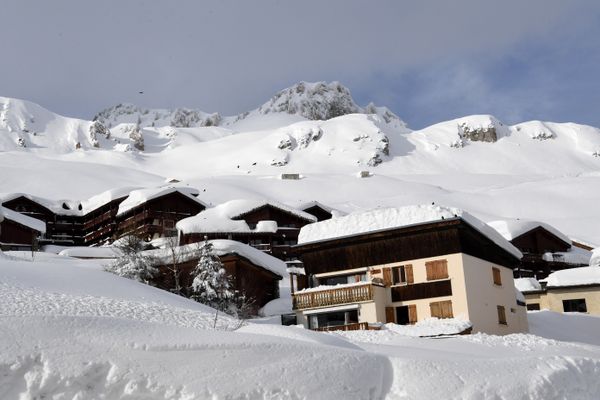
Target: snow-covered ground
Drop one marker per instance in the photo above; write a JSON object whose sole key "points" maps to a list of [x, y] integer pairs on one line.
{"points": [[70, 329]]}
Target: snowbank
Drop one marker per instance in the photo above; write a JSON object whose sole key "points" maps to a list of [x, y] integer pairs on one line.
{"points": [[595, 259], [389, 218], [575, 256], [527, 284], [22, 219], [569, 327], [513, 228], [223, 218], [573, 277]]}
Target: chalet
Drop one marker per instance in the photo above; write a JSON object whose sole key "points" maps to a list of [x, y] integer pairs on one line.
{"points": [[102, 218], [18, 231], [570, 290], [266, 225], [545, 249], [253, 272], [403, 265], [153, 213]]}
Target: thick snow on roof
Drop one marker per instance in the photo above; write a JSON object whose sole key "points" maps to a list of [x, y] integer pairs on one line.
{"points": [[223, 247], [595, 260], [21, 219], [527, 285], [573, 277], [141, 196], [575, 255], [513, 228], [220, 218], [90, 252], [389, 218], [106, 197]]}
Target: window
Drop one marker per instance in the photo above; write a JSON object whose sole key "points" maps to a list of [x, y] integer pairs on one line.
{"points": [[343, 279], [441, 309], [533, 307], [501, 315], [169, 224], [437, 269], [398, 275], [574, 305], [497, 277], [333, 319]]}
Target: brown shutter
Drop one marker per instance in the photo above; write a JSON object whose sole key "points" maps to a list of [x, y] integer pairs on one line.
{"points": [[434, 309], [412, 314], [437, 269], [447, 309], [389, 315], [497, 277], [387, 277], [408, 270]]}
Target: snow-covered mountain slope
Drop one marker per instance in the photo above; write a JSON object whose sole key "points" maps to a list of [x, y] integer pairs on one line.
{"points": [[533, 170]]}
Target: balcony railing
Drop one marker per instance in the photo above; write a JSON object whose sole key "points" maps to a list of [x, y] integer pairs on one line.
{"points": [[358, 326], [333, 297]]}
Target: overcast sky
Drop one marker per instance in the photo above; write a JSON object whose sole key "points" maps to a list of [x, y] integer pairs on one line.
{"points": [[428, 61]]}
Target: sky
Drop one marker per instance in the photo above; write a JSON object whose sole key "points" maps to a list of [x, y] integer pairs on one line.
{"points": [[428, 61]]}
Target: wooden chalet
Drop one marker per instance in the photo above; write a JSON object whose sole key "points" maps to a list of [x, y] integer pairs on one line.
{"points": [[252, 272], [19, 232], [403, 274], [156, 216], [269, 226], [544, 248]]}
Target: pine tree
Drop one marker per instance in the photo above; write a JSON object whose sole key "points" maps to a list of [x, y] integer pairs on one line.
{"points": [[211, 284], [131, 263]]}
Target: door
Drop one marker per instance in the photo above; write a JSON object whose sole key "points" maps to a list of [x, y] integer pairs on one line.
{"points": [[402, 315]]}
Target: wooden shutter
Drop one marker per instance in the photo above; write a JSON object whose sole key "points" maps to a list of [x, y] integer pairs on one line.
{"points": [[497, 277], [441, 309], [408, 270], [501, 315], [412, 314], [389, 315], [387, 277], [437, 269], [435, 309]]}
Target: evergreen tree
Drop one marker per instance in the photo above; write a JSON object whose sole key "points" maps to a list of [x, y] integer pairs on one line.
{"points": [[132, 263], [211, 284]]}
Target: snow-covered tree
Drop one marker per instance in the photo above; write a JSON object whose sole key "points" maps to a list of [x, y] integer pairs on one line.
{"points": [[132, 263], [211, 284]]}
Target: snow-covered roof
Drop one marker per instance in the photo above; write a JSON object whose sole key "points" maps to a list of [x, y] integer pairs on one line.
{"points": [[513, 228], [21, 219], [56, 206], [221, 217], [575, 256], [527, 285], [573, 277], [106, 197], [223, 247], [141, 196], [520, 297], [390, 218], [595, 259], [90, 252]]}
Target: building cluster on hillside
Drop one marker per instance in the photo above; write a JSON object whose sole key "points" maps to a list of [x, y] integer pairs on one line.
{"points": [[357, 271]]}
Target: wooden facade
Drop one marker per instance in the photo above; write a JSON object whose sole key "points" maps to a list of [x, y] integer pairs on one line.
{"points": [[533, 244], [14, 236], [397, 245], [278, 244], [253, 281], [157, 217]]}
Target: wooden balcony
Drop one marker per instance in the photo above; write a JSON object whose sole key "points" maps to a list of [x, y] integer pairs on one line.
{"points": [[333, 297]]}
